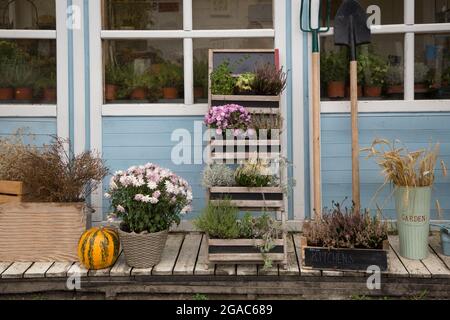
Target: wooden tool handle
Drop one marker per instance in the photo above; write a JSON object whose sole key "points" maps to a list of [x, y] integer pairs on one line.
{"points": [[316, 133], [355, 134]]}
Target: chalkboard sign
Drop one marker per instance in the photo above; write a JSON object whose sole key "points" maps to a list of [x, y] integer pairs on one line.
{"points": [[243, 60]]}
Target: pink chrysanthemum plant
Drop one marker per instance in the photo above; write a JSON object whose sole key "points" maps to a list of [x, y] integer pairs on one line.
{"points": [[148, 198], [231, 117]]}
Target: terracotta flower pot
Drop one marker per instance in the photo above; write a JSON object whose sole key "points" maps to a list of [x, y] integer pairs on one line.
{"points": [[420, 88], [397, 89], [23, 94], [139, 94], [170, 93], [49, 95], [111, 92], [198, 92], [6, 93], [336, 89], [360, 91], [372, 92]]}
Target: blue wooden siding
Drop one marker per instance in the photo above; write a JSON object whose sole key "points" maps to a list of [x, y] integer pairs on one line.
{"points": [[129, 141], [414, 130], [40, 129]]}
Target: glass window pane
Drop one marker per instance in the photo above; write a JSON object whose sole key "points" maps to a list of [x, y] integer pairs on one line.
{"points": [[28, 71], [27, 14], [380, 69], [432, 67], [437, 11], [144, 71], [390, 12], [143, 15], [201, 49], [232, 14]]}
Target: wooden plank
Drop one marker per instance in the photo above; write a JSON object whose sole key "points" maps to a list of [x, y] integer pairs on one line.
{"points": [[225, 270], [188, 254], [120, 268], [38, 270], [244, 257], [4, 266], [436, 267], [242, 242], [247, 270], [255, 203], [298, 251], [263, 110], [58, 270], [216, 97], [292, 267], [416, 269], [16, 270], [437, 248], [11, 187], [396, 267], [100, 272], [245, 190], [8, 198], [77, 269], [169, 255], [270, 271], [141, 272], [202, 266]]}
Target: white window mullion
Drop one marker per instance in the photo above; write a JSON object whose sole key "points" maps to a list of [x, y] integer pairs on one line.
{"points": [[187, 15], [188, 71], [28, 34], [409, 51]]}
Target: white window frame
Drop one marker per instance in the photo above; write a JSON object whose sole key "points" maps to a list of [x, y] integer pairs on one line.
{"points": [[409, 29], [60, 109]]}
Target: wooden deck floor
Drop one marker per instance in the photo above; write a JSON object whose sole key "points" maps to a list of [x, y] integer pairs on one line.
{"points": [[184, 264]]}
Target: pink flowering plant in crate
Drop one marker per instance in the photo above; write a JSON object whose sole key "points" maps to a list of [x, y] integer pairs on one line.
{"points": [[228, 117], [148, 198]]}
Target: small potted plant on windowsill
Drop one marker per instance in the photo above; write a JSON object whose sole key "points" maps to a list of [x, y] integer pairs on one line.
{"points": [[200, 78], [46, 84], [375, 69], [334, 73], [250, 239], [137, 84], [446, 78], [421, 71], [23, 80], [6, 88], [149, 200], [114, 78], [170, 78], [394, 80]]}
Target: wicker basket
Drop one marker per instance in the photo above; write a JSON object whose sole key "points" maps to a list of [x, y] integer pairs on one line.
{"points": [[143, 250]]}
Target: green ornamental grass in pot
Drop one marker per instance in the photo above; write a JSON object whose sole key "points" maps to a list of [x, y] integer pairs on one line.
{"points": [[148, 199], [412, 175]]}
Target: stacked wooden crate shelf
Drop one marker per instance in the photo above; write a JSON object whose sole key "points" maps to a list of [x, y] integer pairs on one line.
{"points": [[234, 151]]}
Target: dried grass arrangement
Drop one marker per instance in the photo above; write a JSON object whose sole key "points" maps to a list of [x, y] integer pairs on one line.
{"points": [[406, 168], [50, 173], [346, 228]]}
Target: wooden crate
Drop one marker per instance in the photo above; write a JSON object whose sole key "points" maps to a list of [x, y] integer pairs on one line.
{"points": [[243, 251], [270, 198], [11, 191], [41, 232], [343, 259]]}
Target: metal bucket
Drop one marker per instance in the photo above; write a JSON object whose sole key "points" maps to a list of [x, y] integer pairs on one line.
{"points": [[413, 220], [445, 242]]}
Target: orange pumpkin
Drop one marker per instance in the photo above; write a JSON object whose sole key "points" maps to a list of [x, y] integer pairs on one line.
{"points": [[98, 248]]}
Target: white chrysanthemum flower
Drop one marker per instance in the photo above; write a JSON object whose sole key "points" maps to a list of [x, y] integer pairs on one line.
{"points": [[107, 195], [120, 208], [153, 200], [152, 185]]}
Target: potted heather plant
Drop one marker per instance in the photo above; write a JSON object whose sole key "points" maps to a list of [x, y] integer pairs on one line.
{"points": [[334, 73], [170, 77], [394, 80], [269, 81], [345, 239], [148, 199], [412, 174], [420, 77]]}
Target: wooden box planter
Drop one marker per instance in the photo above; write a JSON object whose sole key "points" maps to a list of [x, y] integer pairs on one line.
{"points": [[11, 191], [244, 251], [270, 198], [41, 232], [343, 259]]}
